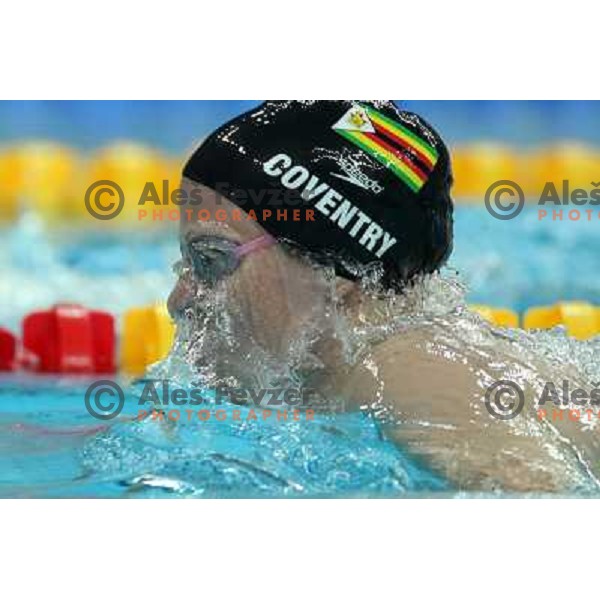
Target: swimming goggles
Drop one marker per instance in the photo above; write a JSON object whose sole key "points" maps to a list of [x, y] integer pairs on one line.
{"points": [[212, 259]]}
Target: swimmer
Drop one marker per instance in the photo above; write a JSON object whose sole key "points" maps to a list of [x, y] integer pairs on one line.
{"points": [[330, 301]]}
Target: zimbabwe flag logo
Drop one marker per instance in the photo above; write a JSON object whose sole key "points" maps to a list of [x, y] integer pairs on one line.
{"points": [[396, 147]]}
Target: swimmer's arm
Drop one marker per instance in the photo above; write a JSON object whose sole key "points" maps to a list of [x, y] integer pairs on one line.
{"points": [[441, 418]]}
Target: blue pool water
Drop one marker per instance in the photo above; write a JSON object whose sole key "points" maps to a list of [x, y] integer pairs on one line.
{"points": [[50, 445], [526, 262]]}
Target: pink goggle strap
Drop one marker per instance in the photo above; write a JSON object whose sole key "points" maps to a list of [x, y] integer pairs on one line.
{"points": [[264, 241]]}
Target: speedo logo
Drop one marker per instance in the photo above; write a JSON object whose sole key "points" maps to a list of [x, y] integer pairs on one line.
{"points": [[356, 176], [331, 204]]}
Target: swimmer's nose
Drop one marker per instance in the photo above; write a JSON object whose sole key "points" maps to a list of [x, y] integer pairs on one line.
{"points": [[180, 298]]}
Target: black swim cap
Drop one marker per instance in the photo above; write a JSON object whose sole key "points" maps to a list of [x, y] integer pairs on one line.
{"points": [[376, 178]]}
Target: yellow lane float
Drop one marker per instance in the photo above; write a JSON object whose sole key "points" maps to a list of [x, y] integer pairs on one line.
{"points": [[147, 336], [501, 317], [140, 173], [10, 182], [42, 176], [558, 170], [476, 167], [581, 319]]}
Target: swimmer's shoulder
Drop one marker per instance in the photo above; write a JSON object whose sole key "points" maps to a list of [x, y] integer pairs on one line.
{"points": [[410, 367]]}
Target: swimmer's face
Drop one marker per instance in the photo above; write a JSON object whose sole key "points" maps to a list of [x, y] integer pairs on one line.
{"points": [[267, 295]]}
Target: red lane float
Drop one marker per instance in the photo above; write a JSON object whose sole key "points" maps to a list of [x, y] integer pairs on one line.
{"points": [[69, 339], [8, 349]]}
